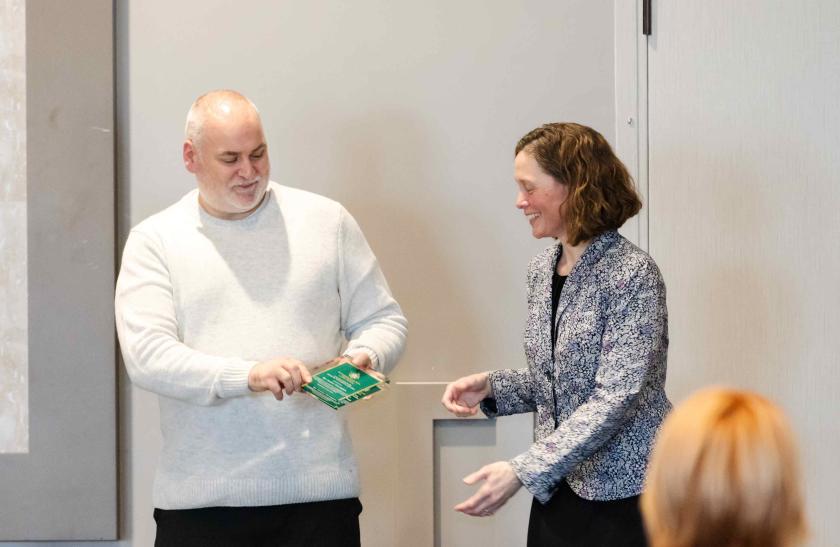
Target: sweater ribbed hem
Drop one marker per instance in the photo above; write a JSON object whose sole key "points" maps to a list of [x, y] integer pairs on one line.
{"points": [[193, 493]]}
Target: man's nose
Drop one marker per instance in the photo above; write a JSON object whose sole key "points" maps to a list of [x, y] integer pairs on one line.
{"points": [[247, 170]]}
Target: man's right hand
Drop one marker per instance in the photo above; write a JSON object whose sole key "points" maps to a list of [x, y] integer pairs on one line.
{"points": [[462, 396], [279, 376]]}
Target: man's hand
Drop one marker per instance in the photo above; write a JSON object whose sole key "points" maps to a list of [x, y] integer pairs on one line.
{"points": [[462, 396], [279, 376], [361, 360], [500, 483]]}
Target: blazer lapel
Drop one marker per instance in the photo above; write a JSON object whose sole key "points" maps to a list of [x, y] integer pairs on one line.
{"points": [[582, 270], [544, 312]]}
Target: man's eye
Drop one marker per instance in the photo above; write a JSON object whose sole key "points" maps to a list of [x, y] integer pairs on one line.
{"points": [[257, 155], [229, 161]]}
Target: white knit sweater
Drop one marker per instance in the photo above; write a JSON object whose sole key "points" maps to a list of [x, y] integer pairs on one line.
{"points": [[200, 300]]}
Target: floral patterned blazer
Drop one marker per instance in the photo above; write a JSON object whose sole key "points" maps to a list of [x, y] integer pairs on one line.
{"points": [[599, 392]]}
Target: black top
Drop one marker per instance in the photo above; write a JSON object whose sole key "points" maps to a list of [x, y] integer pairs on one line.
{"points": [[557, 282]]}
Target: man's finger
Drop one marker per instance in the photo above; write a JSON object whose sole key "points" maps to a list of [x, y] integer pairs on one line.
{"points": [[272, 384], [305, 376], [375, 373], [294, 380], [284, 378]]}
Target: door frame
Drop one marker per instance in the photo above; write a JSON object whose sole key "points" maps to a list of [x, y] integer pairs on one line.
{"points": [[631, 109]]}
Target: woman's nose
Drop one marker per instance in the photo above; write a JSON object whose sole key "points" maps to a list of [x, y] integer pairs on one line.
{"points": [[521, 202]]}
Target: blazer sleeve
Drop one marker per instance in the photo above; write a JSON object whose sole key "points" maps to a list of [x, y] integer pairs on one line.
{"points": [[512, 392], [633, 338]]}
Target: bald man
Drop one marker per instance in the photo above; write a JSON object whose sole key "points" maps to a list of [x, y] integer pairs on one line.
{"points": [[228, 297]]}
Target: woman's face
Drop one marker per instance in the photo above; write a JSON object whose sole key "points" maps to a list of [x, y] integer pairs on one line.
{"points": [[540, 197]]}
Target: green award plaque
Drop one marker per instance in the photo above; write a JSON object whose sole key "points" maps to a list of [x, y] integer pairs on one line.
{"points": [[343, 384]]}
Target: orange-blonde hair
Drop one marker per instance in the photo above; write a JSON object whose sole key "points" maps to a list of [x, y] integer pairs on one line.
{"points": [[724, 473], [601, 192]]}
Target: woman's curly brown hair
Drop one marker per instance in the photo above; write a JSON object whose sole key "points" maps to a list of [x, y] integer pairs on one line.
{"points": [[601, 192]]}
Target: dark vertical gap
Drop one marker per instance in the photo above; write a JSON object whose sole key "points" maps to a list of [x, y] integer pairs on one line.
{"points": [[436, 486], [647, 117], [116, 228]]}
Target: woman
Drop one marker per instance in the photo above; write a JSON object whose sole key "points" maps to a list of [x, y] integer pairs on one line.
{"points": [[596, 342], [724, 473]]}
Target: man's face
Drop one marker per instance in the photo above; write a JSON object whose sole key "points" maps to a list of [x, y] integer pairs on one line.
{"points": [[230, 162]]}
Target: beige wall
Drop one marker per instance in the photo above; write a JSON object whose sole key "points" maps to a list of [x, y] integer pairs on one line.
{"points": [[405, 112]]}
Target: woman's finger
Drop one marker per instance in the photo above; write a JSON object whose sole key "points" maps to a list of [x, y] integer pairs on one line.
{"points": [[473, 505], [474, 477], [470, 410], [459, 410]]}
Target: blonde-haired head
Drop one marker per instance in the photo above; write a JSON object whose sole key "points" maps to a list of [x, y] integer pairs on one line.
{"points": [[724, 473]]}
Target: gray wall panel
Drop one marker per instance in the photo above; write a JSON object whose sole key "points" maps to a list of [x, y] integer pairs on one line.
{"points": [[66, 486]]}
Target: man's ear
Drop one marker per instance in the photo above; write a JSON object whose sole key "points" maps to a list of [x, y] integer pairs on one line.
{"points": [[190, 159]]}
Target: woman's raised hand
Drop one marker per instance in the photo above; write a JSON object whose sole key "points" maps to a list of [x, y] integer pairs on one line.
{"points": [[462, 396]]}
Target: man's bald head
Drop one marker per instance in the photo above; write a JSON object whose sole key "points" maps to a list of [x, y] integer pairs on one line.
{"points": [[215, 106], [225, 149]]}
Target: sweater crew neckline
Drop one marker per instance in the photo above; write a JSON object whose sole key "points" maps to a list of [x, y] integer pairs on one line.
{"points": [[205, 217]]}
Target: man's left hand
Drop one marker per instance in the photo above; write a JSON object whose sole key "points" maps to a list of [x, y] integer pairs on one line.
{"points": [[362, 360], [500, 483]]}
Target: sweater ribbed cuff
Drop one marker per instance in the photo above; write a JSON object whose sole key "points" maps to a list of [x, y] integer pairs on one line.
{"points": [[233, 382], [374, 359]]}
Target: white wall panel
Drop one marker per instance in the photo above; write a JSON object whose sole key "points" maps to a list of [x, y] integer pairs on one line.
{"points": [[744, 194], [60, 294]]}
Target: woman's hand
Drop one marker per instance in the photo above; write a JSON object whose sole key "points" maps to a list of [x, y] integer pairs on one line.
{"points": [[500, 483], [462, 396]]}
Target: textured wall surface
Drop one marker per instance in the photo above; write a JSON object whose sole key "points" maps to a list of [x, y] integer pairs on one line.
{"points": [[14, 430]]}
